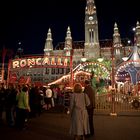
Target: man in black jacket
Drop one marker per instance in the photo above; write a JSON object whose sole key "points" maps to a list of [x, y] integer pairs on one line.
{"points": [[91, 94]]}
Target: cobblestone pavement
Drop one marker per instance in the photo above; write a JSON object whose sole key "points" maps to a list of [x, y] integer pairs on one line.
{"points": [[55, 126]]}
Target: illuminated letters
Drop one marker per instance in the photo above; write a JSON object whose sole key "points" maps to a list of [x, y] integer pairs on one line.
{"points": [[38, 61], [15, 64], [49, 61], [46, 61], [23, 63], [31, 61]]}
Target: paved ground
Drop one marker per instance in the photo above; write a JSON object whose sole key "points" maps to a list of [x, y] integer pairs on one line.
{"points": [[55, 126]]}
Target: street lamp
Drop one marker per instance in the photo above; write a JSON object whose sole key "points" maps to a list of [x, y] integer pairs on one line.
{"points": [[71, 67], [133, 29], [4, 51], [113, 68], [8, 75], [83, 59], [129, 41], [100, 59], [113, 113]]}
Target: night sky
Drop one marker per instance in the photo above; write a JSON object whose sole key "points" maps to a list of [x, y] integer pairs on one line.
{"points": [[28, 21]]}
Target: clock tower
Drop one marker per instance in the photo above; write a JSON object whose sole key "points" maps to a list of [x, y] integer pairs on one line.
{"points": [[92, 49]]}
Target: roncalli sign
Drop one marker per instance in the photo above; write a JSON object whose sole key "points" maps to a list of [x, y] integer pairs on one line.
{"points": [[40, 62]]}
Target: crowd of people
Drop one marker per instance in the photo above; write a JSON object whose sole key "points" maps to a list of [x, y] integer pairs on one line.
{"points": [[20, 103]]}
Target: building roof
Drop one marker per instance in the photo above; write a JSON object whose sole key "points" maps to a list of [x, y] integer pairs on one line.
{"points": [[106, 43], [134, 55]]}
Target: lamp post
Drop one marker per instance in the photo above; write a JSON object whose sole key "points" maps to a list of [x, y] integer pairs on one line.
{"points": [[100, 59], [113, 113], [2, 73], [71, 68], [83, 59], [113, 68], [8, 75], [4, 51]]}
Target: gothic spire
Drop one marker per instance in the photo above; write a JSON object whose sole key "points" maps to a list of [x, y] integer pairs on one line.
{"points": [[117, 43], [92, 49], [68, 36], [115, 28], [90, 7], [137, 33], [49, 35], [68, 39], [116, 35], [48, 43]]}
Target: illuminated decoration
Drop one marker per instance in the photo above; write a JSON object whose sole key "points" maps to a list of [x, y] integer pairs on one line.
{"points": [[90, 17], [90, 66], [100, 59], [65, 62], [79, 76], [40, 61], [125, 58], [128, 68], [59, 61], [53, 61], [131, 66], [13, 77], [61, 80], [83, 59]]}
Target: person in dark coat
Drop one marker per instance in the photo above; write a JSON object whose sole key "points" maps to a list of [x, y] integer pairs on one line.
{"points": [[10, 105], [2, 102], [91, 94]]}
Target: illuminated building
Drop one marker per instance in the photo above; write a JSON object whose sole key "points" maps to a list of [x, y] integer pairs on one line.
{"points": [[39, 70]]}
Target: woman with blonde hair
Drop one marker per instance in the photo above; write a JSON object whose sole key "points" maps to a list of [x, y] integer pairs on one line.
{"points": [[79, 116]]}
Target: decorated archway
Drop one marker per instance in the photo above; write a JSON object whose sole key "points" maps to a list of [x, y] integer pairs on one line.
{"points": [[99, 69], [83, 71], [128, 71]]}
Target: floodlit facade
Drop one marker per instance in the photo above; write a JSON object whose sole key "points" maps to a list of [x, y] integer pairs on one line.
{"points": [[67, 55]]}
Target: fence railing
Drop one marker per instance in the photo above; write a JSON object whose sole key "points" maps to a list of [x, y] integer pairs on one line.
{"points": [[114, 103]]}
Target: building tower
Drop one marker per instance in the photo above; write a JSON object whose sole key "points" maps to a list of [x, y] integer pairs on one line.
{"points": [[48, 44], [137, 34], [68, 42], [117, 44], [92, 49]]}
